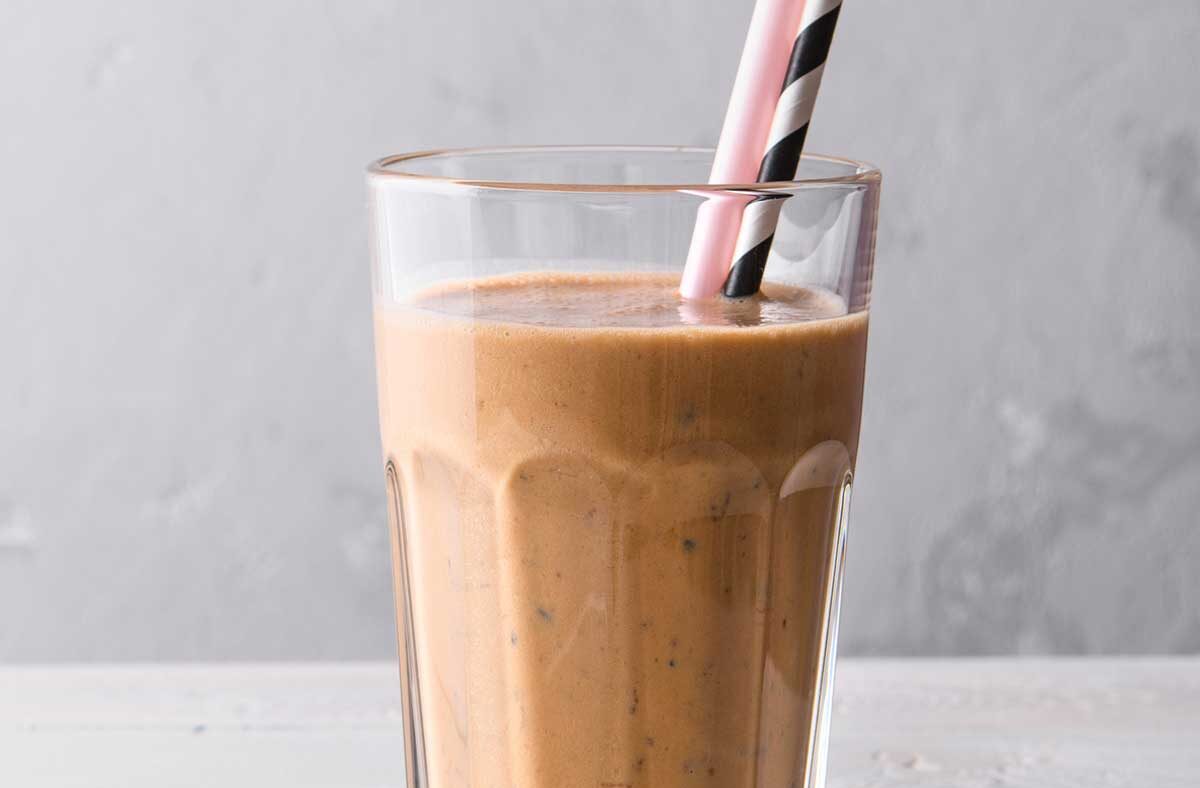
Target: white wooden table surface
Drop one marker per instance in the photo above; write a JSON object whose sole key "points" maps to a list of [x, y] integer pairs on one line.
{"points": [[995, 723]]}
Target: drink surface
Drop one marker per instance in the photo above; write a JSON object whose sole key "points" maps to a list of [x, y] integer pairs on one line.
{"points": [[619, 518], [620, 301]]}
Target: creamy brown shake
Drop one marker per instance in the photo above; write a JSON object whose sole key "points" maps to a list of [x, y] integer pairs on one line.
{"points": [[620, 524]]}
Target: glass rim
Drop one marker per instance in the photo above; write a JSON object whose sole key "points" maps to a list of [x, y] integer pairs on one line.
{"points": [[863, 173]]}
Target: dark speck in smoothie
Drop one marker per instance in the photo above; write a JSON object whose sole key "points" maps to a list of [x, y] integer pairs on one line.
{"points": [[633, 705], [512, 638], [670, 663], [687, 415], [719, 512], [689, 545], [546, 615]]}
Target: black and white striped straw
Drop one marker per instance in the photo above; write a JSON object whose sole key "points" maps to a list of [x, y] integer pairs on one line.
{"points": [[789, 129]]}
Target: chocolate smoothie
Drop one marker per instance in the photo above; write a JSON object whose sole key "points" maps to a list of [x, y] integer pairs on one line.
{"points": [[618, 520]]}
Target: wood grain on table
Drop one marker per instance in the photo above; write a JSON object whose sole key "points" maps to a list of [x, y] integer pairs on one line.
{"points": [[1078, 723]]}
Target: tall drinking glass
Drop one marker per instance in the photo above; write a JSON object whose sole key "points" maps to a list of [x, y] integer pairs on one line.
{"points": [[617, 517]]}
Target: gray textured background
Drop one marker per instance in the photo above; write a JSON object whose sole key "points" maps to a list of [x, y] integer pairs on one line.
{"points": [[188, 458]]}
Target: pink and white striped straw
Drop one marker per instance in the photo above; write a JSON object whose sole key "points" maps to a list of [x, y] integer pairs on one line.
{"points": [[764, 64]]}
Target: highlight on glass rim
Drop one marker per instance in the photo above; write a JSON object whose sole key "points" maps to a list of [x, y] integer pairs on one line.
{"points": [[531, 394]]}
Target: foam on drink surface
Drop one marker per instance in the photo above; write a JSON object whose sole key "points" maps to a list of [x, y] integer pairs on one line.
{"points": [[621, 301]]}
